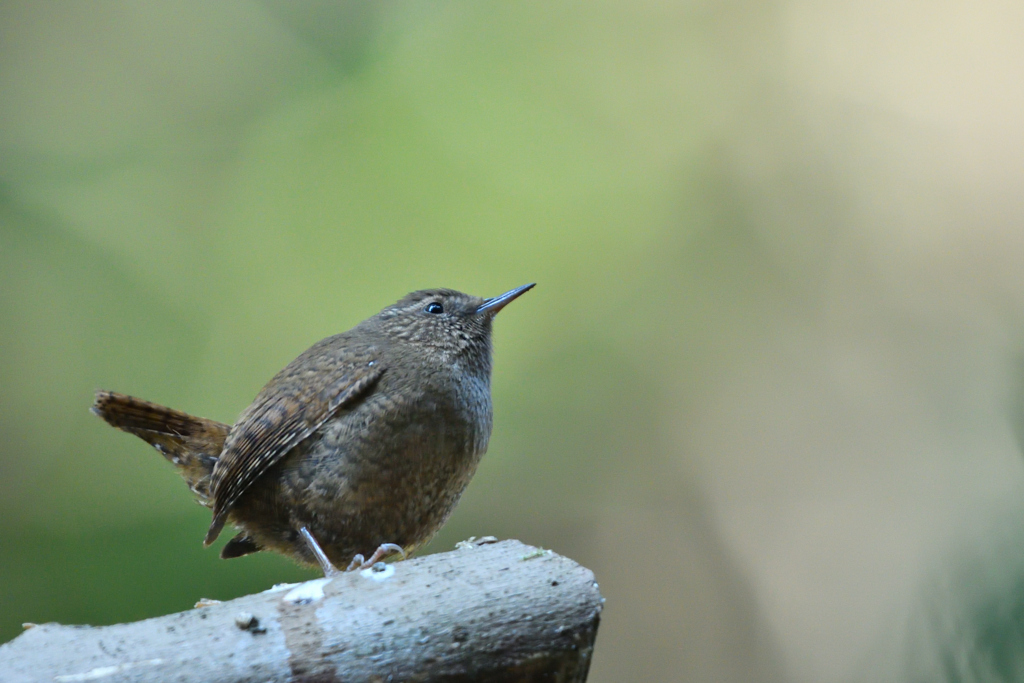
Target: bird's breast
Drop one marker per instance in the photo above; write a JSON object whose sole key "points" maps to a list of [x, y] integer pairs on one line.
{"points": [[474, 406], [440, 418]]}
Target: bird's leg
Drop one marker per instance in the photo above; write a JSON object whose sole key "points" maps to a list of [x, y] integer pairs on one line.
{"points": [[379, 554], [330, 571]]}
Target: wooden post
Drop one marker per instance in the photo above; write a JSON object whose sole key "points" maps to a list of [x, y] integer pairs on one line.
{"points": [[496, 612]]}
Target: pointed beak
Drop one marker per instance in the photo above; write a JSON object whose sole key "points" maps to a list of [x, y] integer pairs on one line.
{"points": [[492, 306]]}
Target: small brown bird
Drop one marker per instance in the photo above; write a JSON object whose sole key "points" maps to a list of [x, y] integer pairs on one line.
{"points": [[362, 444]]}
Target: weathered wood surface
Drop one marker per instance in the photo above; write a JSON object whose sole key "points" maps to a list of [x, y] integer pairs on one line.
{"points": [[497, 612]]}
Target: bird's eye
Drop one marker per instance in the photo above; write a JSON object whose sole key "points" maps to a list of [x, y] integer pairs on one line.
{"points": [[434, 307]]}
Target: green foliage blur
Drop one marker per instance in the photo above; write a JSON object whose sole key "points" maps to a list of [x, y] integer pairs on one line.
{"points": [[759, 386], [191, 195]]}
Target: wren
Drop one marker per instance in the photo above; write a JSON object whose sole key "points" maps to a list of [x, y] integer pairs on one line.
{"points": [[361, 445]]}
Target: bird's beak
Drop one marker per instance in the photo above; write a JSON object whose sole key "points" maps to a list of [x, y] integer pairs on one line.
{"points": [[492, 306]]}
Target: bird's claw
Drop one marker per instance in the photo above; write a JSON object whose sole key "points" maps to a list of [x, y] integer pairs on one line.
{"points": [[384, 550]]}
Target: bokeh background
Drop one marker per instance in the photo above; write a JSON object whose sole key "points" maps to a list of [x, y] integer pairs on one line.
{"points": [[768, 386]]}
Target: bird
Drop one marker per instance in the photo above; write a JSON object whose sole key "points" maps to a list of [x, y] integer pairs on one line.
{"points": [[360, 446]]}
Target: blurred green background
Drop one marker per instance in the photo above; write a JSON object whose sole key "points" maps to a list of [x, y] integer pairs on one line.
{"points": [[767, 387]]}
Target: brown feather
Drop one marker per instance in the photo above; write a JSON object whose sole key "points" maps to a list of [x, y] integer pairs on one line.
{"points": [[192, 444], [284, 413]]}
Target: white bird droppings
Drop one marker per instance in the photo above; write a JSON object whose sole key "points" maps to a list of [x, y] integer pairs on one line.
{"points": [[278, 587], [308, 592]]}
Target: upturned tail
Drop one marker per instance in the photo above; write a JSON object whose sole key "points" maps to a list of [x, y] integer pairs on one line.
{"points": [[192, 444]]}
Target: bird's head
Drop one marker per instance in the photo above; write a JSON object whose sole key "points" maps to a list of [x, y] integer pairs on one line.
{"points": [[445, 322]]}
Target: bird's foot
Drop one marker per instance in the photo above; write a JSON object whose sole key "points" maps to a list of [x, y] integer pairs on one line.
{"points": [[330, 571], [384, 550]]}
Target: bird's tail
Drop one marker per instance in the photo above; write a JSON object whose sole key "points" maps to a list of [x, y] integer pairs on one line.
{"points": [[191, 444]]}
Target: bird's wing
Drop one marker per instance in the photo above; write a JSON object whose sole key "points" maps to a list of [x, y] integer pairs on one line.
{"points": [[290, 408]]}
